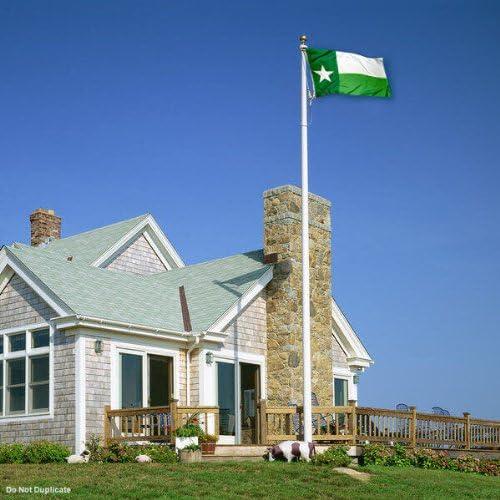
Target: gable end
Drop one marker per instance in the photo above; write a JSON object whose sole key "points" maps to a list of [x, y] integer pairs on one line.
{"points": [[138, 257], [20, 305]]}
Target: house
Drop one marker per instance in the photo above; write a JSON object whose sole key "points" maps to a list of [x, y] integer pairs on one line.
{"points": [[114, 317]]}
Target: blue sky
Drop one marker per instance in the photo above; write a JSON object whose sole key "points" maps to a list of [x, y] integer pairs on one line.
{"points": [[190, 110]]}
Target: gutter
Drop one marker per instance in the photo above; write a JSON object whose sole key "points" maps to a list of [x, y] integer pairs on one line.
{"points": [[73, 321]]}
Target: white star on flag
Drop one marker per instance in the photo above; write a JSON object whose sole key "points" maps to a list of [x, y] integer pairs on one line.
{"points": [[323, 74]]}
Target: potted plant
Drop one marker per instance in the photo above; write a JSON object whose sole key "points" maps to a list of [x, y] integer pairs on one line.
{"points": [[191, 453], [207, 442], [187, 435]]}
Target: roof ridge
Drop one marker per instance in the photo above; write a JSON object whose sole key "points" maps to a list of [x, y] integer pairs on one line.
{"points": [[139, 217], [211, 261]]}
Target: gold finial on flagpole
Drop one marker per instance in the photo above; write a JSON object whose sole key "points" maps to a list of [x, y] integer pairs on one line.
{"points": [[303, 41]]}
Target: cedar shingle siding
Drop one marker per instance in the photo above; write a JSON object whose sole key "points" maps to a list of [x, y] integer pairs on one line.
{"points": [[21, 306], [138, 258]]}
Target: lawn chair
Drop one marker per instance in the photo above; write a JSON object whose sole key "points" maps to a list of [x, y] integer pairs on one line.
{"points": [[440, 411], [297, 428]]}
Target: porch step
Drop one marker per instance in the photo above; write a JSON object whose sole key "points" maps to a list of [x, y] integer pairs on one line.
{"points": [[230, 458], [239, 451]]}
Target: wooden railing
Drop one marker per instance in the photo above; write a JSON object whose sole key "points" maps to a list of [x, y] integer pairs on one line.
{"points": [[158, 423], [331, 424], [358, 425]]}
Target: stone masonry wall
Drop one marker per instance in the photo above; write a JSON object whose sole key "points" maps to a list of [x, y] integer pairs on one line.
{"points": [[282, 235], [20, 306], [138, 258]]}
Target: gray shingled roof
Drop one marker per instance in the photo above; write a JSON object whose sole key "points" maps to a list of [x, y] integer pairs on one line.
{"points": [[153, 301]]}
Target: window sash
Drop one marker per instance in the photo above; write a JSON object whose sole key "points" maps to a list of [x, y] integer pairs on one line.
{"points": [[17, 342], [23, 396], [40, 338]]}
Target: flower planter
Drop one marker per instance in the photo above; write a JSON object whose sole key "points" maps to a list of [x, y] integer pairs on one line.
{"points": [[182, 442], [208, 448], [190, 456]]}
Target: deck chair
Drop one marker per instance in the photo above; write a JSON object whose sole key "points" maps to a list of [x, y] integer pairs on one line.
{"points": [[440, 411]]}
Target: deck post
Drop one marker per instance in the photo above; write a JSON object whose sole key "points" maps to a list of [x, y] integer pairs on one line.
{"points": [[467, 436], [263, 421], [413, 426], [174, 417], [354, 422], [107, 427]]}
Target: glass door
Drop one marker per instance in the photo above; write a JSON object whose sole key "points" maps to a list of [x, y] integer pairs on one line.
{"points": [[249, 398], [226, 400], [160, 380], [131, 380]]}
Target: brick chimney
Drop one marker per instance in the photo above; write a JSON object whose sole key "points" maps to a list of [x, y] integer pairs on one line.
{"points": [[45, 225], [282, 235]]}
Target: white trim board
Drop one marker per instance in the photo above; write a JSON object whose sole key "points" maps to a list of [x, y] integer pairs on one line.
{"points": [[242, 302], [80, 393], [140, 349], [155, 237], [350, 343], [36, 284]]}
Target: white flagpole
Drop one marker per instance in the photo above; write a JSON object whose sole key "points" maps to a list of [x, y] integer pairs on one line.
{"points": [[306, 319]]}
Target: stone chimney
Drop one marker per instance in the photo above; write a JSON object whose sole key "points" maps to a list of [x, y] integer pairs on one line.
{"points": [[45, 225], [282, 235]]}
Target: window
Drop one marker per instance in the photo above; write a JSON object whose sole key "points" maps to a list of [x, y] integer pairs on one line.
{"points": [[25, 373], [40, 339], [340, 387], [16, 378], [131, 367], [1, 387], [39, 384], [17, 342]]}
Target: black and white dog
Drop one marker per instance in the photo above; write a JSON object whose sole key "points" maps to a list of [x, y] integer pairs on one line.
{"points": [[288, 450]]}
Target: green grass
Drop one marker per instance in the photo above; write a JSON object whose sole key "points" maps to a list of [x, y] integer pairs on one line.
{"points": [[245, 479]]}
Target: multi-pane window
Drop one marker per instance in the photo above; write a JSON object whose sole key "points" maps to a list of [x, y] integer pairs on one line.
{"points": [[39, 383], [340, 390], [16, 385], [1, 387], [25, 373]]}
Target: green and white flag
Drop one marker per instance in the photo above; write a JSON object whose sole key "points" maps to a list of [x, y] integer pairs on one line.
{"points": [[335, 72]]}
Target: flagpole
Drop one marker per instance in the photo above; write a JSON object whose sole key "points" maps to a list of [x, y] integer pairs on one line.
{"points": [[306, 315]]}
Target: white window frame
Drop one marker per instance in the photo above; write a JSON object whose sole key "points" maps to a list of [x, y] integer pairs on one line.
{"points": [[28, 353], [128, 348], [345, 374], [208, 382]]}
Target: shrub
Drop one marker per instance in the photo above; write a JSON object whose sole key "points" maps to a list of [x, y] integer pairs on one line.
{"points": [[399, 456], [191, 447], [40, 452], [189, 430], [123, 453], [207, 438], [11, 453], [161, 453], [376, 454], [335, 456]]}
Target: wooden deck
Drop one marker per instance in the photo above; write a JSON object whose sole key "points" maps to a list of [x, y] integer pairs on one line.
{"points": [[331, 424]]}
